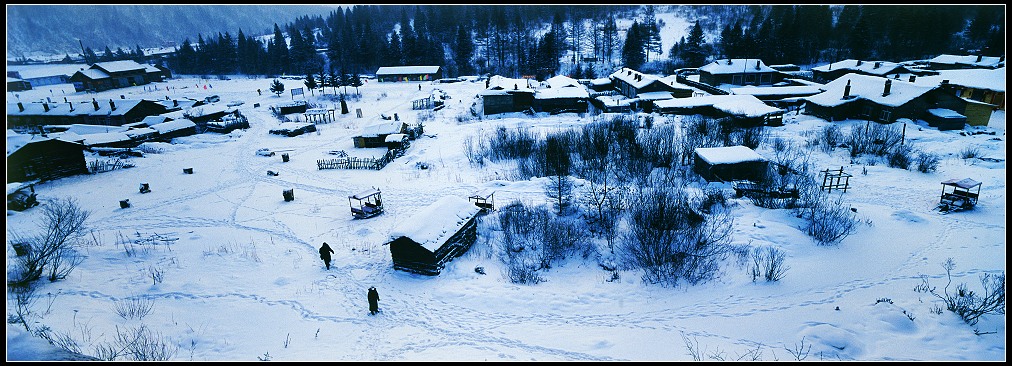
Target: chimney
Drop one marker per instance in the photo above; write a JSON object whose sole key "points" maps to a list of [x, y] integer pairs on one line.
{"points": [[728, 61], [21, 107], [945, 82], [175, 103], [889, 85], [980, 57], [846, 90], [95, 103], [121, 96], [912, 78], [757, 64], [112, 106], [45, 106], [71, 104], [877, 64], [859, 62]]}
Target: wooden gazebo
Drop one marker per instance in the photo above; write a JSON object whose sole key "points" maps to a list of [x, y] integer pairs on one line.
{"points": [[366, 204], [959, 194]]}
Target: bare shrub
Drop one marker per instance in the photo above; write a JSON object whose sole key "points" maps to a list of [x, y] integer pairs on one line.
{"points": [[969, 305], [927, 162], [533, 239], [827, 220], [831, 136], [873, 138], [143, 344], [134, 307], [768, 264], [672, 238], [970, 152], [62, 230], [901, 157]]}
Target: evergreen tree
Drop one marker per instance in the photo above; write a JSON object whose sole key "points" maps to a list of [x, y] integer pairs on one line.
{"points": [[90, 57], [278, 52], [108, 55], [692, 50], [463, 50], [356, 81], [609, 39], [277, 87], [652, 37], [186, 57], [632, 50], [311, 83]]}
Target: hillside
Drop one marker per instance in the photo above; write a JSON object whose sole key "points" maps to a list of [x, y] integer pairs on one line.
{"points": [[56, 29]]}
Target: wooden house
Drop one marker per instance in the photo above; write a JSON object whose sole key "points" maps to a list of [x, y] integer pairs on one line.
{"points": [[30, 157], [632, 83], [15, 84], [744, 110], [375, 135], [408, 73], [434, 235], [835, 70], [729, 163], [114, 113], [877, 99], [950, 62], [169, 130], [506, 95], [561, 94], [739, 72], [111, 75], [981, 85]]}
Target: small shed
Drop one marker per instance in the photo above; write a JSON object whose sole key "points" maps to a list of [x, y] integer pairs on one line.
{"points": [[729, 163], [945, 119], [33, 158], [444, 230]]}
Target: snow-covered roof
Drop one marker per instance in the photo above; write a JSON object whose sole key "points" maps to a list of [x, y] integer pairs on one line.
{"points": [[612, 101], [600, 81], [969, 60], [777, 90], [867, 67], [401, 70], [153, 120], [83, 129], [987, 79], [204, 110], [138, 132], [291, 126], [94, 74], [656, 95], [105, 138], [945, 113], [736, 66], [119, 66], [365, 193], [741, 105], [151, 68], [498, 82], [382, 128], [965, 183], [46, 70], [432, 225], [173, 125], [395, 137], [559, 81], [577, 91], [16, 140], [635, 78], [728, 155], [869, 88]]}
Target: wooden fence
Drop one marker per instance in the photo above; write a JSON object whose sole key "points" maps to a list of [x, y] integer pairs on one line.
{"points": [[352, 162]]}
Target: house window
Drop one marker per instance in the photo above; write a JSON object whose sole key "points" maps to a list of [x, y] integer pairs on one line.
{"points": [[767, 79], [736, 80], [866, 111], [886, 115], [750, 79]]}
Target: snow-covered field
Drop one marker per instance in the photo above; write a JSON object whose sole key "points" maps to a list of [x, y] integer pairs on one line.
{"points": [[242, 279]]}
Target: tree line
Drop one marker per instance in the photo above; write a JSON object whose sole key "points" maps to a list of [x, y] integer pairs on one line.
{"points": [[544, 40]]}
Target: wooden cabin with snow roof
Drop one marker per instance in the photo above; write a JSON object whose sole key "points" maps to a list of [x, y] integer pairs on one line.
{"points": [[408, 73], [729, 163], [747, 71], [434, 235], [878, 99]]}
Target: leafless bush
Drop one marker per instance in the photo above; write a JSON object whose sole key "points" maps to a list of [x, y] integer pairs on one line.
{"points": [[827, 220], [927, 162], [970, 306], [62, 229], [831, 137], [156, 274], [25, 297], [901, 157], [768, 264], [800, 352], [672, 237], [873, 138], [143, 344], [533, 239], [970, 152], [134, 308]]}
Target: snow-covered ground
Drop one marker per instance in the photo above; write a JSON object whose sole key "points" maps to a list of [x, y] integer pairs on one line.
{"points": [[242, 279]]}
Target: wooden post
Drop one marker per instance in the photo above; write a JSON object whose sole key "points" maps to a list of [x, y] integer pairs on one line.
{"points": [[903, 136]]}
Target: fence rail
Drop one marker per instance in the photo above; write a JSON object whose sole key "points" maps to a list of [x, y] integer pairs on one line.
{"points": [[352, 162]]}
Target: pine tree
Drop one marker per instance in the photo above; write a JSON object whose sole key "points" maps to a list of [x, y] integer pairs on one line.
{"points": [[463, 51], [653, 33], [311, 83], [277, 87], [632, 50], [692, 50]]}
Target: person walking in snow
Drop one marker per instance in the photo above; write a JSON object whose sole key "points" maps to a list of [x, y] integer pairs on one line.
{"points": [[374, 298], [325, 251]]}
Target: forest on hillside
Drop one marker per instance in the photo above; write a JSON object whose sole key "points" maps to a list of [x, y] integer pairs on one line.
{"points": [[545, 40]]}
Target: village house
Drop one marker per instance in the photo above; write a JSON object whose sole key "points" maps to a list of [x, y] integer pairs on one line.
{"points": [[15, 84], [561, 94], [950, 62], [632, 83], [878, 99], [43, 75], [729, 163], [116, 74], [115, 112], [835, 70], [434, 235], [505, 95], [743, 110], [33, 157], [986, 86], [375, 135], [408, 73], [738, 72]]}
